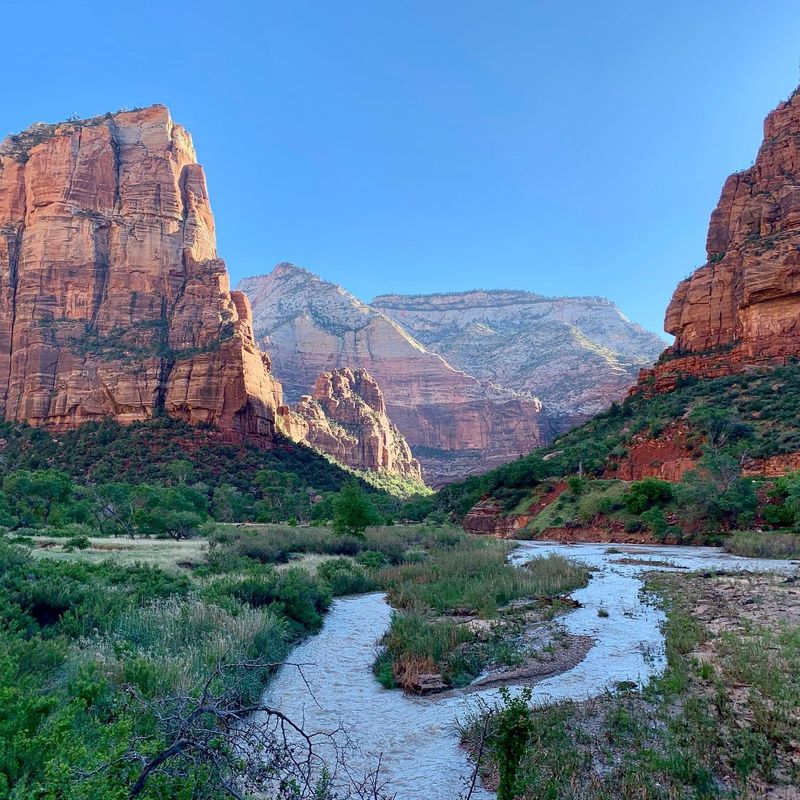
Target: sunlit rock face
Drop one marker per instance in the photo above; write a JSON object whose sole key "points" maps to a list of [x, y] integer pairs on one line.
{"points": [[346, 418], [577, 354], [455, 423], [113, 301], [742, 308]]}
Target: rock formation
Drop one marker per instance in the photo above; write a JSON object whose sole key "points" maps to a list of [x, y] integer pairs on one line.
{"points": [[456, 424], [577, 354], [346, 418], [113, 301], [742, 308]]}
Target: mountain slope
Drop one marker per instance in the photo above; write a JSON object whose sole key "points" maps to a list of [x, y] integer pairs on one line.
{"points": [[718, 413], [455, 424], [577, 354]]}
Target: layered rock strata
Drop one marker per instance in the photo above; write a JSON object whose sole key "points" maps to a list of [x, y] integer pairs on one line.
{"points": [[346, 418], [577, 354], [113, 301], [742, 308], [456, 424]]}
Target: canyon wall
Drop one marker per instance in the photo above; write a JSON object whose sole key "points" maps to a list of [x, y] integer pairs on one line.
{"points": [[113, 301], [456, 424], [577, 354], [742, 308]]}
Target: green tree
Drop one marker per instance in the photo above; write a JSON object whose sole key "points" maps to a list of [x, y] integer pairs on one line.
{"points": [[512, 730], [646, 494], [228, 504], [34, 495], [180, 472], [353, 512]]}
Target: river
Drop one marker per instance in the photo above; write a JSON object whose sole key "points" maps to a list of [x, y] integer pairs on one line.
{"points": [[417, 738]]}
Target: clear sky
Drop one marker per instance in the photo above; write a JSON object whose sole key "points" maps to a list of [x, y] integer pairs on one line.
{"points": [[435, 145]]}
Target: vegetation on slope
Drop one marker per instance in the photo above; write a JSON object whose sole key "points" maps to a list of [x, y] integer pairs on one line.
{"points": [[727, 421], [115, 464], [720, 722]]}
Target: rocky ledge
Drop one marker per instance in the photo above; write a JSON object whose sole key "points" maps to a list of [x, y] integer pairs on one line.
{"points": [[742, 308]]}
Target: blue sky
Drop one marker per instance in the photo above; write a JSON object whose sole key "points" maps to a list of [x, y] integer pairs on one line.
{"points": [[436, 145]]}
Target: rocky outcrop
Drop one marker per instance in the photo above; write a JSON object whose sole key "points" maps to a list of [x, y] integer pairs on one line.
{"points": [[577, 354], [113, 301], [346, 418], [742, 308], [456, 424]]}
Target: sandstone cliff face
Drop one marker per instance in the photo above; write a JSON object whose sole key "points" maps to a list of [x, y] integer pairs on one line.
{"points": [[112, 298], [743, 307], [346, 418], [577, 354], [455, 424]]}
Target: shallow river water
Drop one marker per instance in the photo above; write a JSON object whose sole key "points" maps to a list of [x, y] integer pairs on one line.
{"points": [[417, 738]]}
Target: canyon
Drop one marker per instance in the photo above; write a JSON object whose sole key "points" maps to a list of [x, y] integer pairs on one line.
{"points": [[455, 424], [463, 374]]}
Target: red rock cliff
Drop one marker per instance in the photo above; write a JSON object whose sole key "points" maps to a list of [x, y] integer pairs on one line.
{"points": [[112, 298], [346, 418], [743, 307]]}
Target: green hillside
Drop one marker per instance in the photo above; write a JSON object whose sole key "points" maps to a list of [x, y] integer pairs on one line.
{"points": [[729, 422]]}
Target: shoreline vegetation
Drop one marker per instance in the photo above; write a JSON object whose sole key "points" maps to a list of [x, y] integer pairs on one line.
{"points": [[101, 636], [721, 721], [468, 610], [98, 636]]}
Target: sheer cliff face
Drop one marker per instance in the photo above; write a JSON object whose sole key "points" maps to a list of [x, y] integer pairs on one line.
{"points": [[346, 418], [743, 306], [112, 299], [578, 354], [455, 424]]}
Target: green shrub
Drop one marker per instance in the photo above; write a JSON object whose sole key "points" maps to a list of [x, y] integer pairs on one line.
{"points": [[647, 494], [78, 542]]}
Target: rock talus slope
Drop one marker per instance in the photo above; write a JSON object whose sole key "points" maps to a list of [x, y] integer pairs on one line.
{"points": [[346, 418], [113, 301], [577, 354], [456, 424], [742, 308]]}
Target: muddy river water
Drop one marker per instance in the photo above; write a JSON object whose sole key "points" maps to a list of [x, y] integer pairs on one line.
{"points": [[417, 738]]}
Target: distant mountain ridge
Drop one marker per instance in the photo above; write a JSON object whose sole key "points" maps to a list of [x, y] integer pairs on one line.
{"points": [[577, 354], [462, 373], [455, 423]]}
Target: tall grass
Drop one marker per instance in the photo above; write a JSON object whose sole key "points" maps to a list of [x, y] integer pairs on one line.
{"points": [[171, 645], [763, 545], [476, 580], [276, 544]]}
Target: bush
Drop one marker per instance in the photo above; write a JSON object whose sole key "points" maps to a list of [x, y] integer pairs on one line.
{"points": [[763, 545], [344, 577], [78, 542], [646, 494]]}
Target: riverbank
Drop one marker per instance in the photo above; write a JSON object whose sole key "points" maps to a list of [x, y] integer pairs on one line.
{"points": [[721, 719], [468, 611]]}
